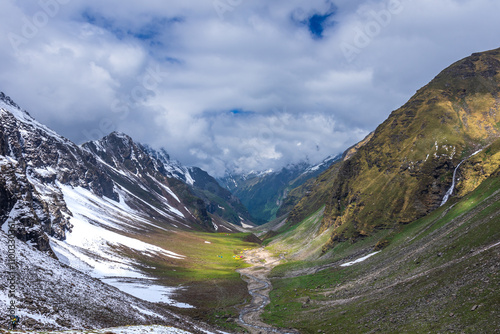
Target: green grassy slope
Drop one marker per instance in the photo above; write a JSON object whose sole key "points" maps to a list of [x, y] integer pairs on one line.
{"points": [[412, 155], [402, 172], [438, 274]]}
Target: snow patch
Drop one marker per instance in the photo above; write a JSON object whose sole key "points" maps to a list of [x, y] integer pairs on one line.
{"points": [[145, 290], [93, 246], [361, 259], [246, 225]]}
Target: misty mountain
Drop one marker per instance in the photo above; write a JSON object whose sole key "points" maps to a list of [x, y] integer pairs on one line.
{"points": [[263, 193]]}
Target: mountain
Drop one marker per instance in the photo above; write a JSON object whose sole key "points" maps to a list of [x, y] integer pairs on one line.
{"points": [[402, 235], [403, 170], [33, 156], [263, 193], [220, 201], [113, 209], [51, 295], [190, 184], [37, 164]]}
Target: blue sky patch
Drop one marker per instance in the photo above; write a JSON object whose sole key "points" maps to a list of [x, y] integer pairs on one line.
{"points": [[240, 112], [316, 21], [148, 32], [317, 24]]}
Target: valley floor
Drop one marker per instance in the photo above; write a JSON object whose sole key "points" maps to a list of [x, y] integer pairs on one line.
{"points": [[259, 287]]}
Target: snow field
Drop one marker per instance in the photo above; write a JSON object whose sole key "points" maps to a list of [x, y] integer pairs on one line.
{"points": [[92, 245]]}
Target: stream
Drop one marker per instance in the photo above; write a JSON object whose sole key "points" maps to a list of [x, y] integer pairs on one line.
{"points": [[259, 287]]}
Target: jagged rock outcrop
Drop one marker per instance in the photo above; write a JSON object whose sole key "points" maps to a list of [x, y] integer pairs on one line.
{"points": [[32, 156]]}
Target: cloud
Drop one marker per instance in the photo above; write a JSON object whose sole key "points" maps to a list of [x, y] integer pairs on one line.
{"points": [[244, 85]]}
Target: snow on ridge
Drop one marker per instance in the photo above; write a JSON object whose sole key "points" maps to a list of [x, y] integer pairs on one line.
{"points": [[45, 171], [26, 119], [7, 160], [16, 111], [96, 238], [246, 225], [189, 178], [151, 206], [173, 167], [167, 189], [316, 167]]}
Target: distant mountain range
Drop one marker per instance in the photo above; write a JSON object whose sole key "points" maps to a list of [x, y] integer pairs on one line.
{"points": [[263, 193]]}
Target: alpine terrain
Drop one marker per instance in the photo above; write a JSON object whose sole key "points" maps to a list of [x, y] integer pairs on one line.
{"points": [[400, 234], [114, 210]]}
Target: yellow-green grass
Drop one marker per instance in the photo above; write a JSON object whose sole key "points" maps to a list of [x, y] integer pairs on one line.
{"points": [[302, 243], [302, 240], [207, 273]]}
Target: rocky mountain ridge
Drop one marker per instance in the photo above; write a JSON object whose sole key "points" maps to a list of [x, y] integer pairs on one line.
{"points": [[34, 159], [31, 152]]}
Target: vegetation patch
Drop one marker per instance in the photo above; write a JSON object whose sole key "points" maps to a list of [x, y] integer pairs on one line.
{"points": [[438, 274], [207, 274]]}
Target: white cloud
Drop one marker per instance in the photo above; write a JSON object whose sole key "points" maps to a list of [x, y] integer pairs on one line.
{"points": [[169, 72]]}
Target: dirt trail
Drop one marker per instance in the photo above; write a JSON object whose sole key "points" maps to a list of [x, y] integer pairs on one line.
{"points": [[259, 287]]}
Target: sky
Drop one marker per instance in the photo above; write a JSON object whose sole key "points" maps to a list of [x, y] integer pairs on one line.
{"points": [[232, 85]]}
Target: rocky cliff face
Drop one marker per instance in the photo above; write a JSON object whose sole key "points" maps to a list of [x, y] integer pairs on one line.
{"points": [[32, 156]]}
